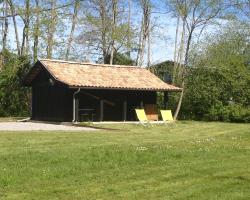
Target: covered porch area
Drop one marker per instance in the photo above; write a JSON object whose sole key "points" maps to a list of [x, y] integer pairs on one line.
{"points": [[95, 105]]}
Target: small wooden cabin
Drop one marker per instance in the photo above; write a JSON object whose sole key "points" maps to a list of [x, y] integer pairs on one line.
{"points": [[71, 91]]}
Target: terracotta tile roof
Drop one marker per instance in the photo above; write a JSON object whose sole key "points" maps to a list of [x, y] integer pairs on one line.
{"points": [[87, 75]]}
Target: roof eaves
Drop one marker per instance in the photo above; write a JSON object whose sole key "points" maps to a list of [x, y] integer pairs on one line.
{"points": [[127, 88]]}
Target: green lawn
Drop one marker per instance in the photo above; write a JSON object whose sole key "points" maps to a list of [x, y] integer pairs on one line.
{"points": [[193, 160]]}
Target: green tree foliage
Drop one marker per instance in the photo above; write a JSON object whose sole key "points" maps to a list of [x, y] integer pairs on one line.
{"points": [[14, 98], [218, 83], [218, 77], [164, 71], [120, 59]]}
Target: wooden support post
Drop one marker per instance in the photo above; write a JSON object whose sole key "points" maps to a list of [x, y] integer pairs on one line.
{"points": [[32, 104], [165, 99], [141, 104], [142, 98], [76, 106], [125, 110], [77, 109], [101, 110]]}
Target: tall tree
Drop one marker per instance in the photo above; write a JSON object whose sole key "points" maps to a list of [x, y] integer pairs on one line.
{"points": [[129, 29], [113, 33], [51, 28], [195, 15], [13, 14], [72, 30], [175, 48], [145, 28], [26, 22], [149, 44], [105, 29], [36, 30], [5, 24]]}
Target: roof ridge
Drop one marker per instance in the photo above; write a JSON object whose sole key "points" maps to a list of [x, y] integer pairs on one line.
{"points": [[86, 63]]}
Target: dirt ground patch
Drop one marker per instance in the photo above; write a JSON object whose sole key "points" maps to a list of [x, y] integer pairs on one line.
{"points": [[31, 126]]}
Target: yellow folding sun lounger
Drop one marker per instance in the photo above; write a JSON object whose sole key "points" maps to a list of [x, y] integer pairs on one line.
{"points": [[167, 116], [141, 115]]}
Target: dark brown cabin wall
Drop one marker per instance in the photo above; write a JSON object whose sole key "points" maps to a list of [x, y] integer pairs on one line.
{"points": [[50, 102]]}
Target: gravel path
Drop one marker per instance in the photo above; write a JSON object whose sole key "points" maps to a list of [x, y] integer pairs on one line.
{"points": [[31, 126]]}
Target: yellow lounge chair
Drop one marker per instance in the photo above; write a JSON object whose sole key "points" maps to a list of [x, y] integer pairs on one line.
{"points": [[167, 116], [141, 115]]}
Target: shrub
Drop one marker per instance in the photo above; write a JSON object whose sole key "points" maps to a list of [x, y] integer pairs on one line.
{"points": [[14, 98], [229, 113]]}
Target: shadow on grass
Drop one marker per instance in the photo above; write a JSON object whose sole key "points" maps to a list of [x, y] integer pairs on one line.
{"points": [[241, 178], [124, 127], [90, 125]]}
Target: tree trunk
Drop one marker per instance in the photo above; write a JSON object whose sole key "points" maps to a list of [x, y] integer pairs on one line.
{"points": [[74, 20], [114, 11], [103, 29], [175, 49], [184, 73], [12, 9], [26, 21], [140, 43], [145, 28], [6, 25], [27, 25], [141, 55], [23, 38], [129, 29], [51, 30], [149, 34], [36, 31], [149, 47], [179, 68], [180, 101]]}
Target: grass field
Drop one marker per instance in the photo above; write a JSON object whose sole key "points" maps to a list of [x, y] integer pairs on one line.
{"points": [[193, 160]]}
